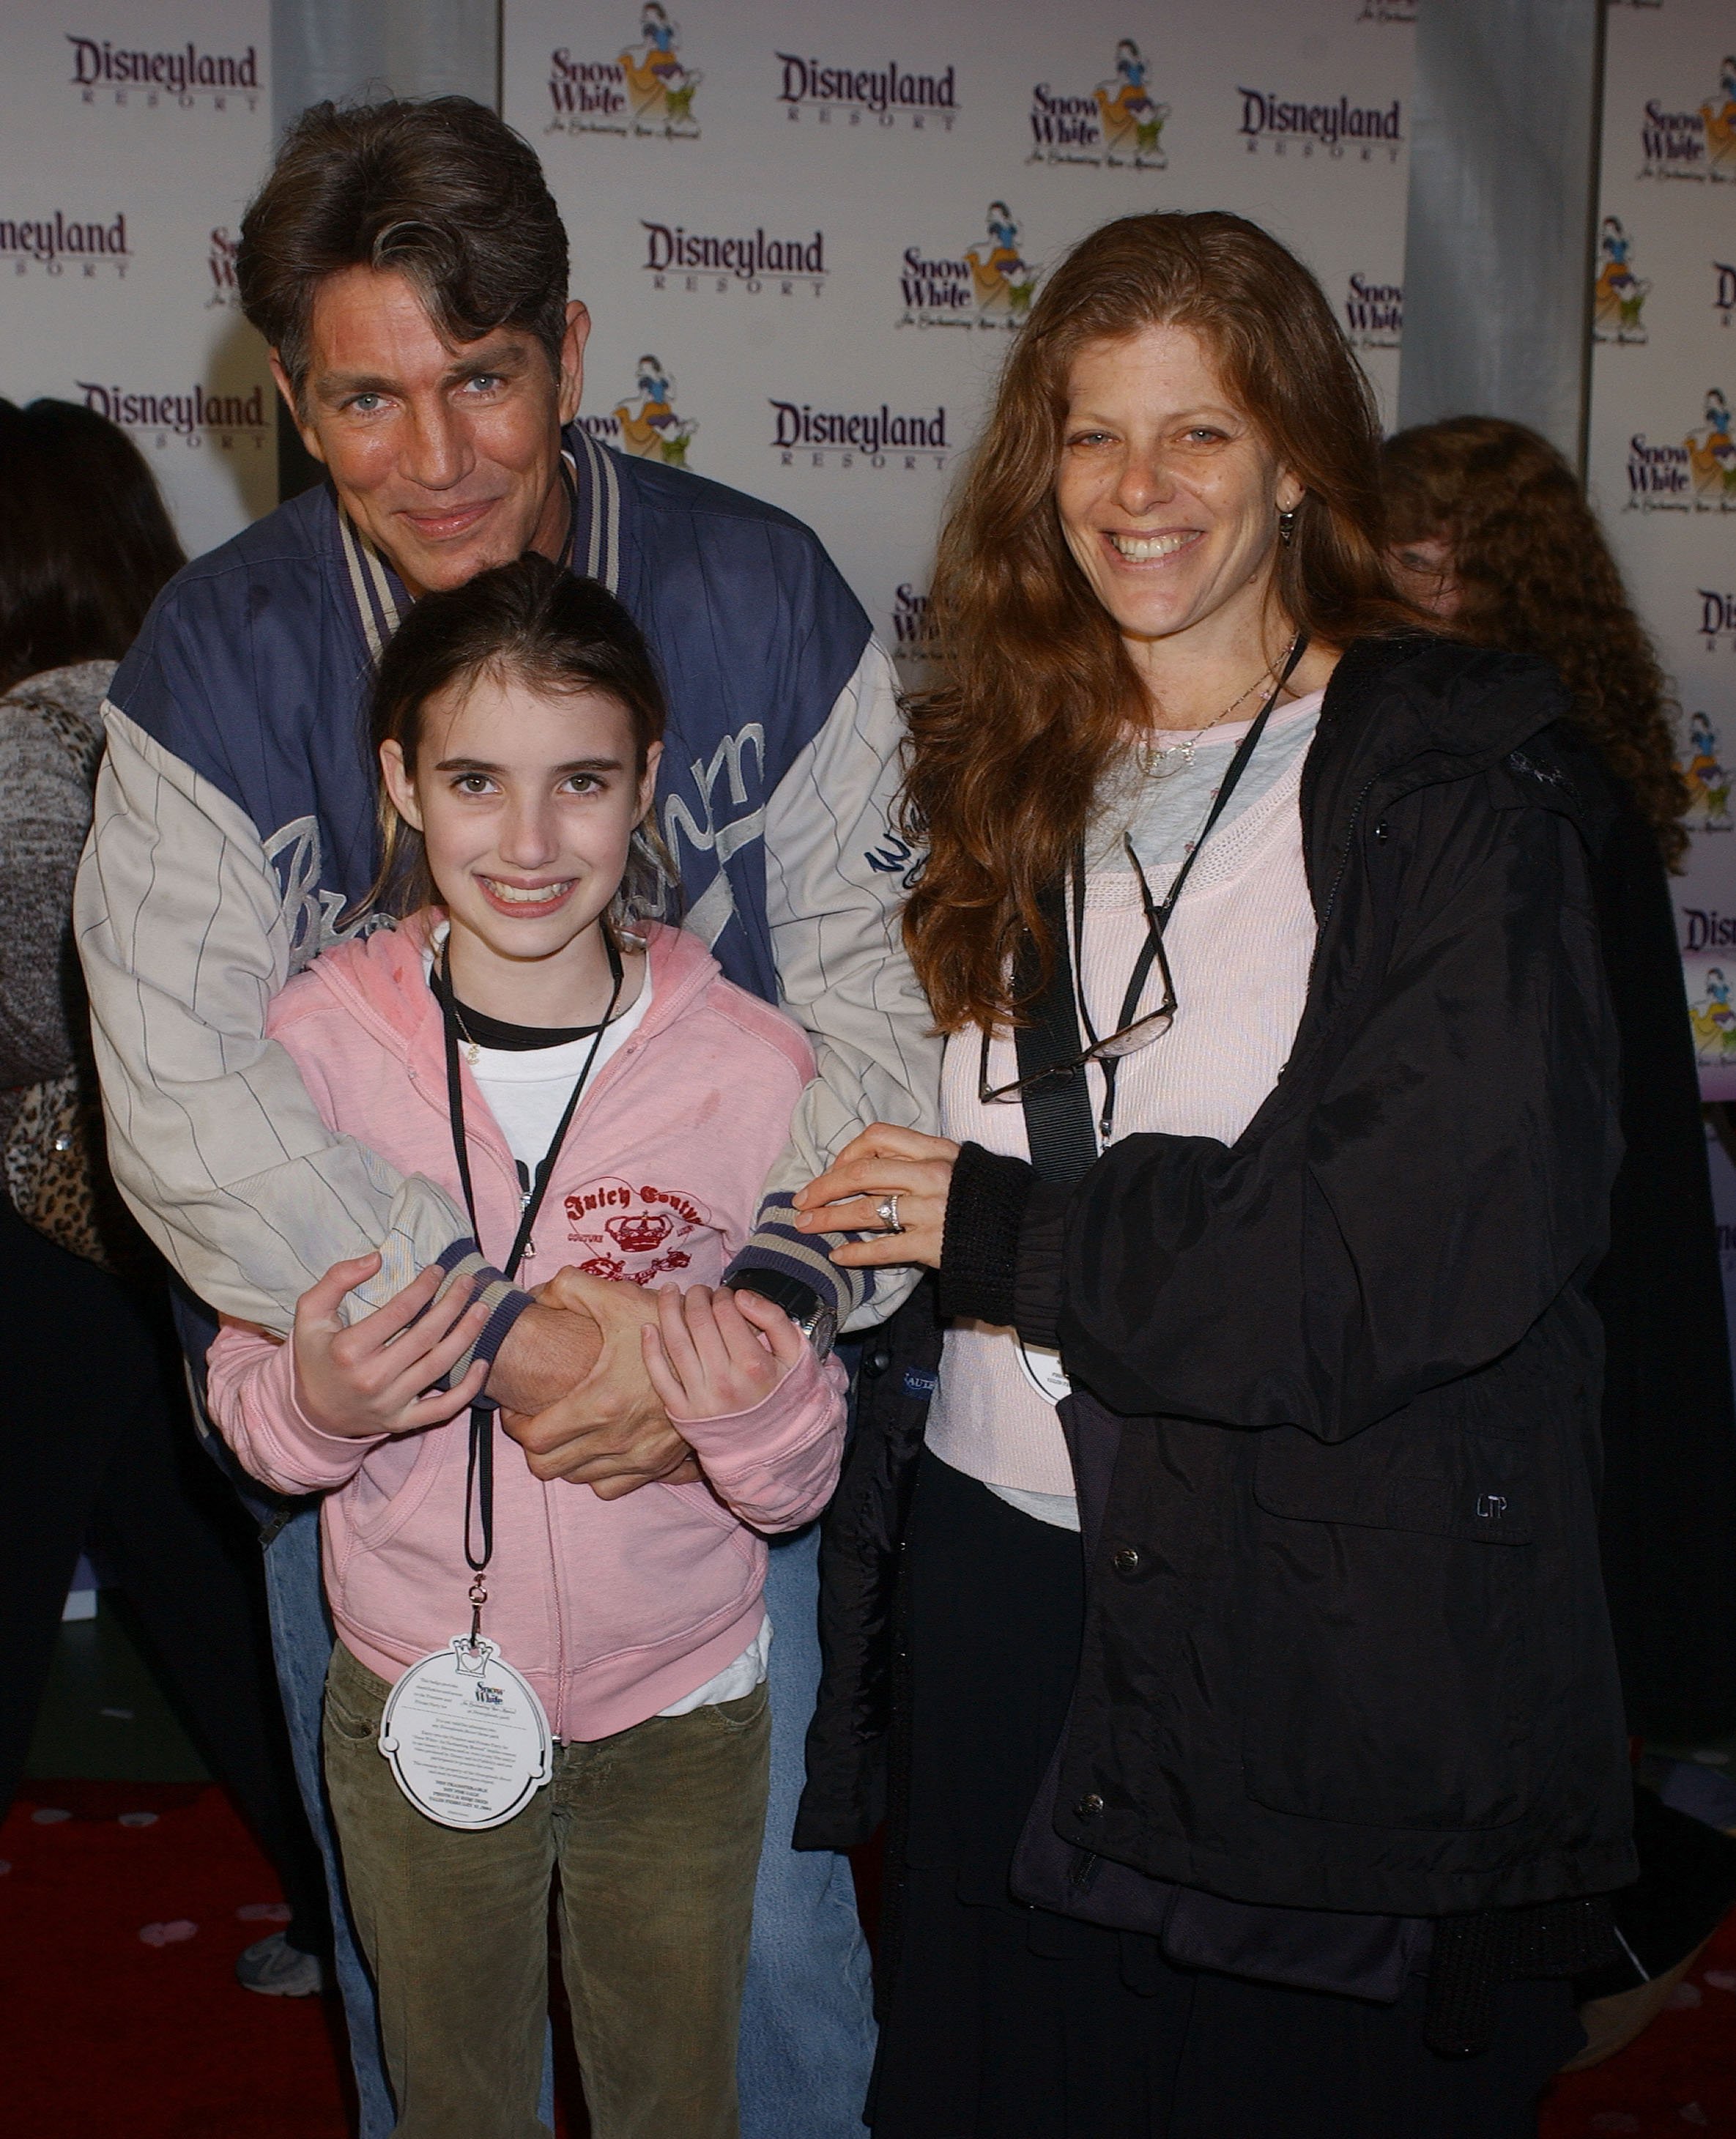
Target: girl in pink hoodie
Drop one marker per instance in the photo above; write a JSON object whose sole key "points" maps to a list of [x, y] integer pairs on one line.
{"points": [[556, 1681]]}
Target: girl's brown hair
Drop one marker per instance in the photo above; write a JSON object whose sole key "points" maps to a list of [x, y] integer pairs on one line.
{"points": [[1007, 755], [1538, 577], [537, 622]]}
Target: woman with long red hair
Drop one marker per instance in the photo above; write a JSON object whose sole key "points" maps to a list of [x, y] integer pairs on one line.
{"points": [[1256, 1752]]}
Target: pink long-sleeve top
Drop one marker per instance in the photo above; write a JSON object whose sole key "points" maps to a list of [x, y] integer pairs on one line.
{"points": [[612, 1609]]}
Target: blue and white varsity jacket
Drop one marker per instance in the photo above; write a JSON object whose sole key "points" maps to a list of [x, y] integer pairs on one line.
{"points": [[235, 828]]}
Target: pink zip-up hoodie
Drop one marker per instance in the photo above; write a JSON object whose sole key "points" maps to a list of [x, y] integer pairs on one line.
{"points": [[612, 1609]]}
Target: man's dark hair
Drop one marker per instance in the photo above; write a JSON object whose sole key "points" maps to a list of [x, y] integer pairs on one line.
{"points": [[441, 192], [85, 541]]}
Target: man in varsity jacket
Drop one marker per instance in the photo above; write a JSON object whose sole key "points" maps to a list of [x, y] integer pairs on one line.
{"points": [[407, 267]]}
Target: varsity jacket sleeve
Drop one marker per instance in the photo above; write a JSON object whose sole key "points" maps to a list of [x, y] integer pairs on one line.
{"points": [[1397, 1217], [835, 872], [213, 1140]]}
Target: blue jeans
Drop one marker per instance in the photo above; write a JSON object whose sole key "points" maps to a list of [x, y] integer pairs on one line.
{"points": [[807, 2021]]}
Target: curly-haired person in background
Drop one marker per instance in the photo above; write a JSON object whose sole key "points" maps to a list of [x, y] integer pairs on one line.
{"points": [[1490, 530]]}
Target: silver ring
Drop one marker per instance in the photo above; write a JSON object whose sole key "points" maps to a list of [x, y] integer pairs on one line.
{"points": [[887, 1212]]}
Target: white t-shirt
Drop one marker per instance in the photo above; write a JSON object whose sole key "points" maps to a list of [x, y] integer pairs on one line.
{"points": [[1239, 944], [527, 1089]]}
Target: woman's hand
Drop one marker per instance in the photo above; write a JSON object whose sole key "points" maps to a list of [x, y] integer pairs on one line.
{"points": [[883, 1162], [377, 1375], [710, 1354]]}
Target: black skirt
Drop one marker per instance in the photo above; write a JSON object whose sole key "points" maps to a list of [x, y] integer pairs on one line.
{"points": [[1005, 2022]]}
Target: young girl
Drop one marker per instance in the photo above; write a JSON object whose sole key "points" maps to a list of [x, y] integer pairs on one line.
{"points": [[558, 1680]]}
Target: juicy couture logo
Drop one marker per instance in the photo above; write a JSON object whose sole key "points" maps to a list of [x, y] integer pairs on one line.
{"points": [[1338, 129], [635, 1232], [873, 438], [185, 76], [52, 244], [677, 258], [1374, 313], [197, 417], [887, 96]]}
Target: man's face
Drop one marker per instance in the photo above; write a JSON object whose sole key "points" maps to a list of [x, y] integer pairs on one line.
{"points": [[446, 458]]}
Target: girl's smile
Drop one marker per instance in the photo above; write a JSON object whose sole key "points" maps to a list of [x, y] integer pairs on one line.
{"points": [[526, 799]]}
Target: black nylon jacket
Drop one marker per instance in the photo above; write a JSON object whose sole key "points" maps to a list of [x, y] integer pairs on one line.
{"points": [[1346, 1643]]}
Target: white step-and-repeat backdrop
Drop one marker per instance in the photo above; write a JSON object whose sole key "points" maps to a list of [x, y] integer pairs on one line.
{"points": [[132, 136], [1663, 461], [806, 231]]}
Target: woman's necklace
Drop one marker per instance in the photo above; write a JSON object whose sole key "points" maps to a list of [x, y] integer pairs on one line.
{"points": [[1159, 762]]}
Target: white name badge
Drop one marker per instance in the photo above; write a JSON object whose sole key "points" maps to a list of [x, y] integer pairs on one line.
{"points": [[468, 1740], [1043, 1371]]}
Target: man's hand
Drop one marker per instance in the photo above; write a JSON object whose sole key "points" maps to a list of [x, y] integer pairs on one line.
{"points": [[610, 1432]]}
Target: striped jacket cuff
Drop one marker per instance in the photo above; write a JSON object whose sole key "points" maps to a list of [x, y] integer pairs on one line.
{"points": [[504, 1300], [775, 1244]]}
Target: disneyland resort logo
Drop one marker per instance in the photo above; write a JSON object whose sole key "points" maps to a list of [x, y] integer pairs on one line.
{"points": [[677, 258], [645, 424], [1336, 131], [987, 285], [106, 73], [884, 94], [644, 92], [803, 435], [55, 244], [1117, 125], [1697, 143], [1697, 476], [1619, 295], [1374, 313], [197, 417]]}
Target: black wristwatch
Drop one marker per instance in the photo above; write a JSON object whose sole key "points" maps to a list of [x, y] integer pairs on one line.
{"points": [[817, 1322]]}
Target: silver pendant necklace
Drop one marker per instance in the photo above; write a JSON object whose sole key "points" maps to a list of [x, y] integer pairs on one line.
{"points": [[1160, 762]]}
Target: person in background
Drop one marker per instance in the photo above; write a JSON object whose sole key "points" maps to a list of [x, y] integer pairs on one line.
{"points": [[408, 268], [1256, 1740], [1491, 531], [98, 1443]]}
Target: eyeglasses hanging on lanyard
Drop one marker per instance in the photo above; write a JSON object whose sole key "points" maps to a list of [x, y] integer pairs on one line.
{"points": [[479, 1470], [1134, 1029]]}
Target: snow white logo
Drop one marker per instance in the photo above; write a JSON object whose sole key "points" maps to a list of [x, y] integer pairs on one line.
{"points": [[646, 91], [1719, 111], [1619, 293], [652, 430], [989, 284], [1709, 784], [1712, 457], [1118, 126]]}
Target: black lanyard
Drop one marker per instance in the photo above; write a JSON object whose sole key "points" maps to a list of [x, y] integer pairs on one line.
{"points": [[1157, 918], [479, 1470]]}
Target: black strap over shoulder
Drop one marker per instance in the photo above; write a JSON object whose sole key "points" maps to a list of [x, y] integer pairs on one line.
{"points": [[1058, 1111]]}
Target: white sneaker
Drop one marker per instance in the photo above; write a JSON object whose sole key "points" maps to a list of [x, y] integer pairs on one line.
{"points": [[275, 1968]]}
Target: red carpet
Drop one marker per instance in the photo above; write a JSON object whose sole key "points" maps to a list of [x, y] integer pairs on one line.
{"points": [[110, 2037]]}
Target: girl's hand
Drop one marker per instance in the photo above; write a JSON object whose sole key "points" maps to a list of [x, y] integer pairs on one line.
{"points": [[883, 1162], [376, 1376], [709, 1354]]}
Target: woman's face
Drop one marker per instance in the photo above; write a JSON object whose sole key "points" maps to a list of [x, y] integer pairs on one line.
{"points": [[1426, 575], [1168, 495]]}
